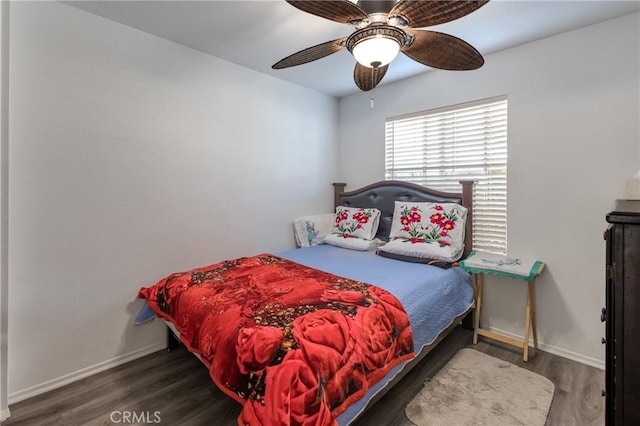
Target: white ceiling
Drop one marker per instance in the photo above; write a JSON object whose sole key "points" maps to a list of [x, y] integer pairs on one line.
{"points": [[258, 33]]}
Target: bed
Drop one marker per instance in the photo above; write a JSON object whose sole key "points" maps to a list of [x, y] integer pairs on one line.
{"points": [[317, 335]]}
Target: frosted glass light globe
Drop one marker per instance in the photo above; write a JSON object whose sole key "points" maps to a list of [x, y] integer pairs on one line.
{"points": [[377, 49]]}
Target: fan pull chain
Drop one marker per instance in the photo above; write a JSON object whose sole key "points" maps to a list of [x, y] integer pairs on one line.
{"points": [[374, 70]]}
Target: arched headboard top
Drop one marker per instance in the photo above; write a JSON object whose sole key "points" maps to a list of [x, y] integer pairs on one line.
{"points": [[383, 195]]}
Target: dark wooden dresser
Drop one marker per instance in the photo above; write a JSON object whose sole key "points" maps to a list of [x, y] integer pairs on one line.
{"points": [[622, 315]]}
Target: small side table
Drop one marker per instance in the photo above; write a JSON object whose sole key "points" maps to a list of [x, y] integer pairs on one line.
{"points": [[480, 264]]}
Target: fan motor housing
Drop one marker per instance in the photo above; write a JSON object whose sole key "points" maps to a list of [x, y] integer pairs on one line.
{"points": [[376, 6]]}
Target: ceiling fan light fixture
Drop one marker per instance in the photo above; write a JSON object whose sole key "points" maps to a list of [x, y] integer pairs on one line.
{"points": [[376, 45], [386, 27]]}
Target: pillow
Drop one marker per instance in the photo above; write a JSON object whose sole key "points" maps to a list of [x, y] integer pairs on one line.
{"points": [[356, 222], [423, 260], [433, 230], [425, 249], [352, 243], [311, 230]]}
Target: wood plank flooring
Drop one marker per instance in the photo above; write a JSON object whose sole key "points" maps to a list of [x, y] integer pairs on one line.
{"points": [[177, 386]]}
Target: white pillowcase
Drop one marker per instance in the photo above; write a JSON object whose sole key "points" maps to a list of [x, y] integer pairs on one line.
{"points": [[311, 230], [427, 230], [356, 222], [352, 242], [422, 250]]}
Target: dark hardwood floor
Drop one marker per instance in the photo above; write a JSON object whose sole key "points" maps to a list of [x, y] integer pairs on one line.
{"points": [[174, 388]]}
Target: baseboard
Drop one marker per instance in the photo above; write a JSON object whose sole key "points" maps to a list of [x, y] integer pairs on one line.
{"points": [[555, 350], [4, 414], [49, 385]]}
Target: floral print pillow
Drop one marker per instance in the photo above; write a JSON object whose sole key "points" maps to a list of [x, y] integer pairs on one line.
{"points": [[436, 224], [356, 222]]}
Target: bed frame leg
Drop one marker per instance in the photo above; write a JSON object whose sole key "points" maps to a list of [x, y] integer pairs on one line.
{"points": [[172, 341], [467, 321]]}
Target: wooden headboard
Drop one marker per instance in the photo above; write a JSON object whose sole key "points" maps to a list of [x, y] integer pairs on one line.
{"points": [[383, 195]]}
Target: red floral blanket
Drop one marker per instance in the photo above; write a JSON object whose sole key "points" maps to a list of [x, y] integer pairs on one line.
{"points": [[293, 344]]}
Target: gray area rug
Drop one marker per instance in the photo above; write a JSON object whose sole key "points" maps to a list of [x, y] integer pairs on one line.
{"points": [[478, 389]]}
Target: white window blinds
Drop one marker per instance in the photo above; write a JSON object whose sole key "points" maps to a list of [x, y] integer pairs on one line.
{"points": [[439, 148]]}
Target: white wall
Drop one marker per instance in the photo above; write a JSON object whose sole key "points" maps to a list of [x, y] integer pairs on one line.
{"points": [[573, 141], [132, 157], [4, 205]]}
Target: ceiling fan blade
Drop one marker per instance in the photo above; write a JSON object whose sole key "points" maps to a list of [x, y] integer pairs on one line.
{"points": [[310, 54], [419, 14], [368, 78], [342, 11], [443, 51]]}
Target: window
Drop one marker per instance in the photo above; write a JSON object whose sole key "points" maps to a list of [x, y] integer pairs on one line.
{"points": [[438, 148]]}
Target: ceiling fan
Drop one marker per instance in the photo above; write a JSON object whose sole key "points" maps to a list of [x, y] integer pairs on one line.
{"points": [[384, 28]]}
